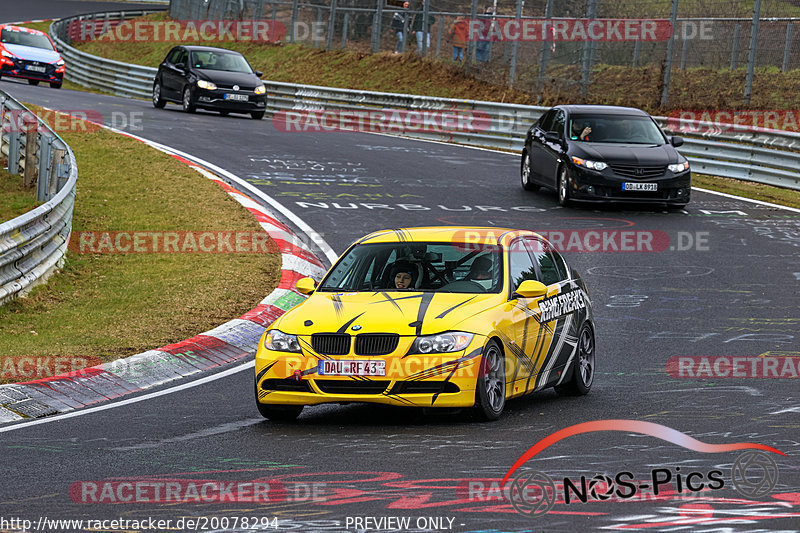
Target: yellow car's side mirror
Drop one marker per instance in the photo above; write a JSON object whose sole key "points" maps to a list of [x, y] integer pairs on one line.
{"points": [[529, 289], [306, 285]]}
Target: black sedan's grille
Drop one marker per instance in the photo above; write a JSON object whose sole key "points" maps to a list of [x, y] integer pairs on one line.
{"points": [[376, 343], [332, 386], [331, 343], [638, 172]]}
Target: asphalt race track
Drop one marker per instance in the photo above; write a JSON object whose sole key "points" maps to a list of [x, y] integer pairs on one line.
{"points": [[721, 280]]}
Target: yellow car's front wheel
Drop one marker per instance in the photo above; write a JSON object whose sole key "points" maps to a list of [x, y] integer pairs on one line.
{"points": [[283, 413], [490, 389]]}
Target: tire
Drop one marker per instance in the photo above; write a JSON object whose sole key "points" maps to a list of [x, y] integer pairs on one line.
{"points": [[188, 105], [525, 173], [257, 115], [583, 368], [224, 113], [56, 85], [490, 388], [158, 102], [281, 413], [33, 82], [675, 207], [562, 187]]}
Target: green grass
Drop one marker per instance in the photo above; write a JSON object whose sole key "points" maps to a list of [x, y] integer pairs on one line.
{"points": [[15, 200], [112, 305]]}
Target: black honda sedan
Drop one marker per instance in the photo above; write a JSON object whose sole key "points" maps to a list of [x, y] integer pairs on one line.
{"points": [[604, 153], [209, 78]]}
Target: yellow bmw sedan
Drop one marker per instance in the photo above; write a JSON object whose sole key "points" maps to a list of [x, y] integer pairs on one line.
{"points": [[431, 317]]}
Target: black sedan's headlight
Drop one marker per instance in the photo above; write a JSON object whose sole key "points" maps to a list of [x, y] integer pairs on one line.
{"points": [[279, 341], [454, 341], [679, 167], [591, 165]]}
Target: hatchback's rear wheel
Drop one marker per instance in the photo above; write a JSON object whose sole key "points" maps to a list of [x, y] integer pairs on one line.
{"points": [[33, 82]]}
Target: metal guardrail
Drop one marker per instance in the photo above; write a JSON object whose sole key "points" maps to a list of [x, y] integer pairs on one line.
{"points": [[769, 157], [33, 245]]}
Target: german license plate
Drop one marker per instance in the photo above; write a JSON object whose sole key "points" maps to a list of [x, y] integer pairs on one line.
{"points": [[236, 97], [35, 68], [352, 368], [638, 186]]}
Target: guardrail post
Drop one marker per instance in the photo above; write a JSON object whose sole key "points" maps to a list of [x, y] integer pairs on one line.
{"points": [[546, 48], [586, 63], [293, 24], [344, 30], [735, 48], [751, 56], [29, 175], [673, 20], [316, 28], [43, 155], [13, 150], [331, 25], [56, 161], [787, 48], [470, 59], [512, 70]]}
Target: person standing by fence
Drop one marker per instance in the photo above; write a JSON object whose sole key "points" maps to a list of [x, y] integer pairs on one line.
{"points": [[400, 26], [459, 33], [422, 28], [483, 47]]}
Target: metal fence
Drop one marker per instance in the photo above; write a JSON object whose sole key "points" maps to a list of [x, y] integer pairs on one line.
{"points": [[765, 157], [564, 51], [33, 245]]}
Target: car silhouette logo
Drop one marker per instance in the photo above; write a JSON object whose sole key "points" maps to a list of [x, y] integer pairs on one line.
{"points": [[235, 87]]}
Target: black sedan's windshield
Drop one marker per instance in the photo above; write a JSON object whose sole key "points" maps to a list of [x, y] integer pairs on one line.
{"points": [[417, 266], [627, 129], [23, 38], [220, 61]]}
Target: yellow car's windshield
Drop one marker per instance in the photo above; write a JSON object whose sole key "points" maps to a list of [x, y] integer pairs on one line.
{"points": [[417, 266]]}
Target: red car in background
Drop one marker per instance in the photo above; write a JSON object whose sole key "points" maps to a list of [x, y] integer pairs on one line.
{"points": [[31, 55]]}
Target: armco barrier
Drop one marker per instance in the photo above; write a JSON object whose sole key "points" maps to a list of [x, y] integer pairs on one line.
{"points": [[752, 156], [32, 245]]}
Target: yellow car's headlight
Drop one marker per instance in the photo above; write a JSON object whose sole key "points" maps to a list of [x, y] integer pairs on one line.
{"points": [[203, 84], [279, 341], [442, 343], [260, 89]]}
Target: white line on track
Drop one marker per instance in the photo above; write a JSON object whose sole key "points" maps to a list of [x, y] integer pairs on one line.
{"points": [[112, 405]]}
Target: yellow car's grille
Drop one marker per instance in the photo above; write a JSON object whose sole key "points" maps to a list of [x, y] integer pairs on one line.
{"points": [[376, 343], [331, 343], [332, 386]]}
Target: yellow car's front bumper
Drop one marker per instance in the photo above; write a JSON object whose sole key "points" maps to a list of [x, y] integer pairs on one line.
{"points": [[437, 380]]}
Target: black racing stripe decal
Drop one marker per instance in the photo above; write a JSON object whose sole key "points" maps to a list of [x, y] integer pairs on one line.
{"points": [[264, 371], [444, 313], [398, 398], [338, 306], [424, 303], [347, 324], [389, 299]]}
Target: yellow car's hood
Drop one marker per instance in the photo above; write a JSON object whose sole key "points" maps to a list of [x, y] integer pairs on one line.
{"points": [[384, 312]]}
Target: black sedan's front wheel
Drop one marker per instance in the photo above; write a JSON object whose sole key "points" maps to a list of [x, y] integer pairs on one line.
{"points": [[188, 105], [490, 389], [257, 115], [525, 173], [563, 187]]}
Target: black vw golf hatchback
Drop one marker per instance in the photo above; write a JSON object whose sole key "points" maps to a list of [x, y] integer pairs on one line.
{"points": [[209, 78], [604, 153]]}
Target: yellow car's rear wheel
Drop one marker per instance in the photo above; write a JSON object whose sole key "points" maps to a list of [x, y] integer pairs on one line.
{"points": [[490, 389]]}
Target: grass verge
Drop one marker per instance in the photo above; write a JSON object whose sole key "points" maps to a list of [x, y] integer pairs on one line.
{"points": [[14, 198], [113, 305]]}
